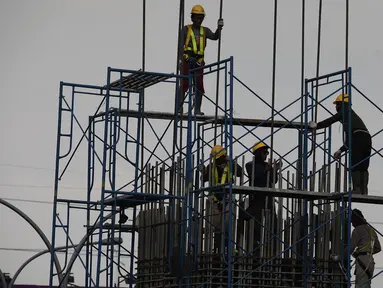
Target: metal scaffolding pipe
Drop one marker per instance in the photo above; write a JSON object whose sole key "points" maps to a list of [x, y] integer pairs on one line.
{"points": [[38, 230]]}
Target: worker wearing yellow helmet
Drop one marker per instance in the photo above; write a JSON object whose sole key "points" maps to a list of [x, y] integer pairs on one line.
{"points": [[361, 142], [257, 176], [219, 167], [194, 36], [218, 173], [260, 174]]}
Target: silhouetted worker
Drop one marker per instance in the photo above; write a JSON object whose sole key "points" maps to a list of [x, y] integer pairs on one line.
{"points": [[218, 173], [360, 145], [260, 174], [364, 244], [195, 36]]}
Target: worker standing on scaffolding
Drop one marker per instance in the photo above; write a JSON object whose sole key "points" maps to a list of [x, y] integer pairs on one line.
{"points": [[364, 244], [195, 36], [218, 173], [260, 174], [361, 142]]}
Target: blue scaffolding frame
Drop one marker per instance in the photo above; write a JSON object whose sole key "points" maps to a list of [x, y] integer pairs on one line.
{"points": [[114, 199]]}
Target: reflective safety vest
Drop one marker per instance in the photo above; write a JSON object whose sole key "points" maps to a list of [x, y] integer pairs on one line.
{"points": [[224, 178], [202, 41], [369, 246]]}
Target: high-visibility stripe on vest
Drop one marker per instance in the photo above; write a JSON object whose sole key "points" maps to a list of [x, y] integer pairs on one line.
{"points": [[202, 41], [369, 245], [224, 178]]}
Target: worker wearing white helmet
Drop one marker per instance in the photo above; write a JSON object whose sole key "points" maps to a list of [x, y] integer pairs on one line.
{"points": [[195, 36], [361, 142]]}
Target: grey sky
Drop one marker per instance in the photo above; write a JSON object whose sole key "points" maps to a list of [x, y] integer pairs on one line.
{"points": [[45, 42]]}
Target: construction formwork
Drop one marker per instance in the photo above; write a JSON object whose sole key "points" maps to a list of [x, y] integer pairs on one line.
{"points": [[150, 224]]}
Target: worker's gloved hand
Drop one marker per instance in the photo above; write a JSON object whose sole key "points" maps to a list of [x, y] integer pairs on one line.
{"points": [[312, 125], [220, 23], [201, 167], [192, 61], [338, 154], [278, 164], [335, 257], [199, 62]]}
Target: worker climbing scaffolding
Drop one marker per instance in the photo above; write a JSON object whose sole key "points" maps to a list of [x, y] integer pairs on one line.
{"points": [[195, 40]]}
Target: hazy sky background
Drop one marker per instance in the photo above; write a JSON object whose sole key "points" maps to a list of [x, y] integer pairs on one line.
{"points": [[45, 42]]}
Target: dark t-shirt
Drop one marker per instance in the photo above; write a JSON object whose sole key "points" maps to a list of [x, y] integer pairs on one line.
{"points": [[343, 117]]}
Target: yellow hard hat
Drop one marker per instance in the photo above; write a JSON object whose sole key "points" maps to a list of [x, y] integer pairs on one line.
{"points": [[259, 145], [198, 9], [341, 98], [217, 152]]}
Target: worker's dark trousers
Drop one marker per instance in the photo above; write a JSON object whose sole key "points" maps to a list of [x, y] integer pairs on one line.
{"points": [[198, 84], [256, 205], [360, 158]]}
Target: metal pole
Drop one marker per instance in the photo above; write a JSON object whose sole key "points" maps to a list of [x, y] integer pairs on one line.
{"points": [[273, 81], [2, 278], [104, 171], [53, 256], [178, 103], [143, 91], [230, 240], [349, 178], [300, 149], [218, 71], [347, 29], [317, 73]]}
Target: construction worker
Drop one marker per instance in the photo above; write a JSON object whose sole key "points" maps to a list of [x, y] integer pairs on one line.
{"points": [[260, 174], [195, 36], [364, 244], [361, 142], [218, 173]]}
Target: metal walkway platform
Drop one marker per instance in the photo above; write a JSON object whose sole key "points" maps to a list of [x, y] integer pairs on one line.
{"points": [[132, 199], [205, 118], [307, 195], [135, 199], [138, 81]]}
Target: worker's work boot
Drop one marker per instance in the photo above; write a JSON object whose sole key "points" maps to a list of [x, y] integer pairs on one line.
{"points": [[360, 182], [356, 182], [198, 103]]}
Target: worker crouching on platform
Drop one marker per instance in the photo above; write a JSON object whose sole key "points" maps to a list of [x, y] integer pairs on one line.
{"points": [[218, 172], [364, 244], [260, 174], [195, 36], [360, 145]]}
